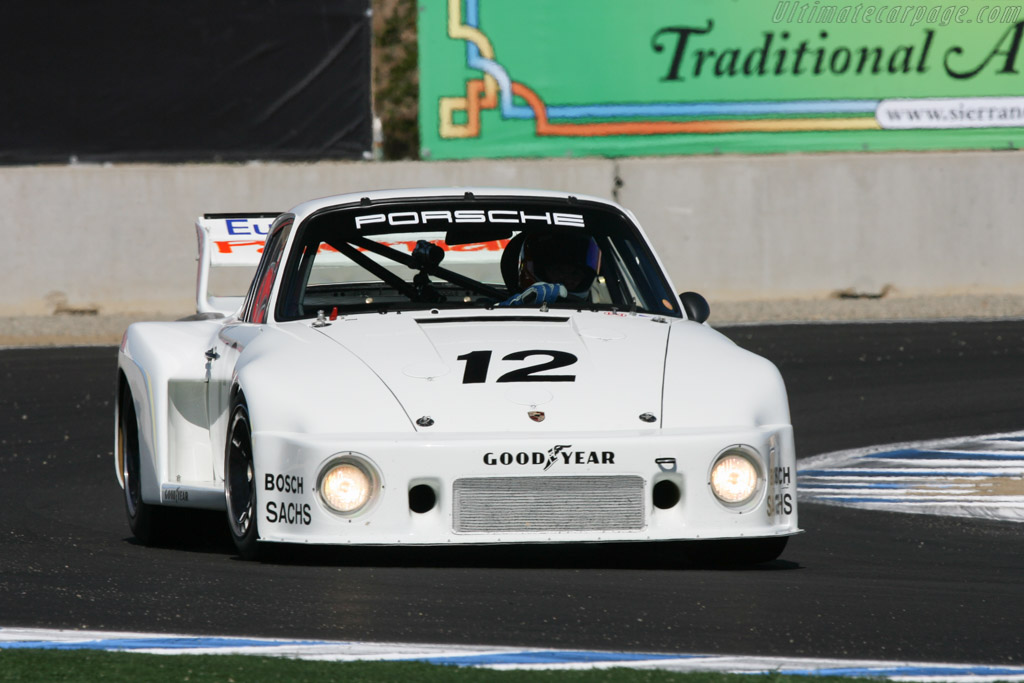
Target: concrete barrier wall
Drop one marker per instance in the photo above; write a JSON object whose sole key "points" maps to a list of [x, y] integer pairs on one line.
{"points": [[121, 238], [811, 225]]}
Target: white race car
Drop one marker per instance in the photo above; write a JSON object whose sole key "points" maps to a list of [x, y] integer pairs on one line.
{"points": [[438, 367]]}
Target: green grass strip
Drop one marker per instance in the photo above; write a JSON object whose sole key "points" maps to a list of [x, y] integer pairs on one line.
{"points": [[97, 665]]}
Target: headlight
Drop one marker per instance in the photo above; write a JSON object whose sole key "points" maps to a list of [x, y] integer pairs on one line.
{"points": [[735, 477], [346, 485]]}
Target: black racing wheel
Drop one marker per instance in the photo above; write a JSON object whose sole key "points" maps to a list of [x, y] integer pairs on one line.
{"points": [[145, 520], [240, 482]]}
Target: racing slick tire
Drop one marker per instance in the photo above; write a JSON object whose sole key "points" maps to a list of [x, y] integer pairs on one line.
{"points": [[240, 483], [147, 522]]}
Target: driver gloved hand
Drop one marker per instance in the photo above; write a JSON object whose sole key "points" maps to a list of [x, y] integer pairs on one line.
{"points": [[537, 294]]}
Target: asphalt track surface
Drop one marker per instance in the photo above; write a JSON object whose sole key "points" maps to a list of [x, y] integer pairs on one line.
{"points": [[858, 584]]}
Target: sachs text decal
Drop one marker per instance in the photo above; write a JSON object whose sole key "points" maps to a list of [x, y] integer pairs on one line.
{"points": [[516, 217], [557, 454], [781, 501], [478, 362], [781, 485], [286, 512]]}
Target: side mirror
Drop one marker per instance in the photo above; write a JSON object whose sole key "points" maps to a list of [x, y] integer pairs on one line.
{"points": [[695, 306]]}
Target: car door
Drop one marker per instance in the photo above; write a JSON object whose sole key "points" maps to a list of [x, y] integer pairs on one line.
{"points": [[236, 334]]}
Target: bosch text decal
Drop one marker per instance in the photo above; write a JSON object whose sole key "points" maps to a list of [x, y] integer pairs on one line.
{"points": [[286, 512]]}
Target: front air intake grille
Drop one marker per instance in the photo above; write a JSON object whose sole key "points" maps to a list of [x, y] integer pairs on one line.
{"points": [[539, 504]]}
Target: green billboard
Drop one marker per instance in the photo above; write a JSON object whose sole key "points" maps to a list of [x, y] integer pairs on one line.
{"points": [[558, 78]]}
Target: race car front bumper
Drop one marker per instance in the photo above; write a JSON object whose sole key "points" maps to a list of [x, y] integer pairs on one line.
{"points": [[596, 487]]}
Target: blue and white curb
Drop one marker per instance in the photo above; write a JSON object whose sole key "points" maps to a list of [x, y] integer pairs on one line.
{"points": [[498, 658], [979, 476]]}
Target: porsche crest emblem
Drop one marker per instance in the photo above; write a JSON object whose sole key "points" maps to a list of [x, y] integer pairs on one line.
{"points": [[536, 415]]}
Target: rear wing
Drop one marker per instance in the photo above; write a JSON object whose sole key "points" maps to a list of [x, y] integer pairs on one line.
{"points": [[228, 241]]}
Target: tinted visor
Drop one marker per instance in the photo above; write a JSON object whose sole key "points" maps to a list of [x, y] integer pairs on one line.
{"points": [[569, 259]]}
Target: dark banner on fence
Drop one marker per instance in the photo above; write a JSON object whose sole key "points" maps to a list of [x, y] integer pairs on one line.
{"points": [[189, 80]]}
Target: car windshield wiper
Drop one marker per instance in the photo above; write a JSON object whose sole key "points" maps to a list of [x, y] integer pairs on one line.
{"points": [[404, 306]]}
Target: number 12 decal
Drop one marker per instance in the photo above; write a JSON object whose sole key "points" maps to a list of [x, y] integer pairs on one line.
{"points": [[477, 363]]}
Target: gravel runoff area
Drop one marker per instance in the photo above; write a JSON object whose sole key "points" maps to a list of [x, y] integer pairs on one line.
{"points": [[83, 329]]}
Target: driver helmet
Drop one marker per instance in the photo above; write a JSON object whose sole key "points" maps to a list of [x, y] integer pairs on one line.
{"points": [[573, 260]]}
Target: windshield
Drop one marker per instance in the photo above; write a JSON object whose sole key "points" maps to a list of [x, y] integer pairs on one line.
{"points": [[471, 253]]}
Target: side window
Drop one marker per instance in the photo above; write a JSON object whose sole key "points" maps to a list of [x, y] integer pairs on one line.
{"points": [[257, 303]]}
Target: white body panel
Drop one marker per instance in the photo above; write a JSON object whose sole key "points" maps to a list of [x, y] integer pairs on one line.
{"points": [[360, 383]]}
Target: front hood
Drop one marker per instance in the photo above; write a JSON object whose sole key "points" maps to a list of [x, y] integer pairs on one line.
{"points": [[489, 371]]}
